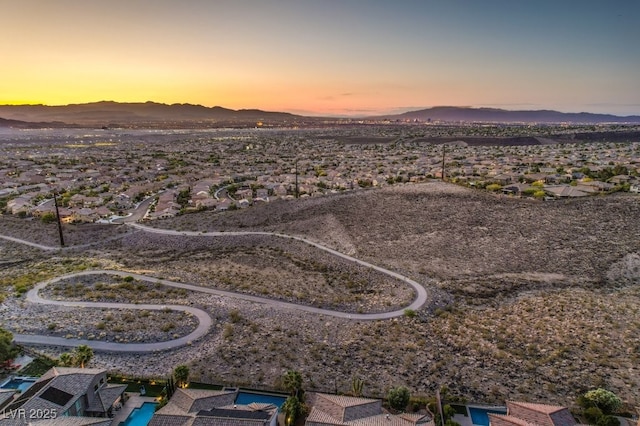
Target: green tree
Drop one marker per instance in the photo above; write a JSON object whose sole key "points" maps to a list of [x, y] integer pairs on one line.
{"points": [[447, 412], [398, 398], [607, 401], [608, 421], [494, 187], [48, 217], [291, 408], [181, 375], [66, 360], [82, 355], [7, 349], [539, 194], [619, 169], [292, 381], [183, 197], [592, 415]]}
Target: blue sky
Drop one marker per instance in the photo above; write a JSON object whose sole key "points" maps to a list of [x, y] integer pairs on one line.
{"points": [[325, 57]]}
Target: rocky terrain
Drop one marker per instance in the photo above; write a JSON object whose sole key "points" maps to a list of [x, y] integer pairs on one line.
{"points": [[532, 300]]}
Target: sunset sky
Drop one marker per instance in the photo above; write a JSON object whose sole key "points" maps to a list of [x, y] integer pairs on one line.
{"points": [[325, 57]]}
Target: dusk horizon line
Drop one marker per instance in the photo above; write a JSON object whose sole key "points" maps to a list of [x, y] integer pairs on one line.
{"points": [[317, 114]]}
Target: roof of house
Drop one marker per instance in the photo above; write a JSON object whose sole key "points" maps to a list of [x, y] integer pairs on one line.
{"points": [[170, 420], [565, 191], [230, 413], [511, 419], [383, 420], [541, 408], [346, 401], [60, 387], [75, 421], [526, 413], [199, 407], [365, 418], [319, 416], [188, 400], [5, 396]]}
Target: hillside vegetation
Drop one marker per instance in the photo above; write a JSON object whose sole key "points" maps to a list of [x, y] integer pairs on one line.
{"points": [[530, 300]]}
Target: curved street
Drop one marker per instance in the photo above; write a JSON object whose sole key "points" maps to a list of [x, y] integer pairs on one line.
{"points": [[204, 319], [33, 296], [418, 302]]}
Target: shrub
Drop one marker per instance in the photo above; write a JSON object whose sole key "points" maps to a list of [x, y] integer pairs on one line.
{"points": [[48, 217], [398, 398], [539, 194], [603, 399], [168, 327], [592, 414], [608, 421], [235, 316], [227, 332], [410, 313]]}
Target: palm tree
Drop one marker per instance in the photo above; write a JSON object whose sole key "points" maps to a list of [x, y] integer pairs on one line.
{"points": [[181, 374], [66, 359], [290, 408], [83, 354], [292, 382]]}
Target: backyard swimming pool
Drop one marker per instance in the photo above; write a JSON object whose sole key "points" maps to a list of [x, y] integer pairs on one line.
{"points": [[480, 415], [140, 416], [20, 383], [245, 398]]}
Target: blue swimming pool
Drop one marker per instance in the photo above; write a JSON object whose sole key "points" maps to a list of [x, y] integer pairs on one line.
{"points": [[20, 383], [480, 417], [245, 398], [140, 416]]}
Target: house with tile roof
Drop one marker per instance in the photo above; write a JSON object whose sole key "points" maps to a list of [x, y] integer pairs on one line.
{"points": [[339, 410], [201, 407], [68, 396], [529, 414]]}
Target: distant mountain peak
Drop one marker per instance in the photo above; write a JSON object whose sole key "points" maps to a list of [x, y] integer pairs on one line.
{"points": [[497, 115], [138, 113]]}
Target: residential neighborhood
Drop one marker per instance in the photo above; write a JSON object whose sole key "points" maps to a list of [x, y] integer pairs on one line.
{"points": [[101, 176], [83, 396], [264, 302]]}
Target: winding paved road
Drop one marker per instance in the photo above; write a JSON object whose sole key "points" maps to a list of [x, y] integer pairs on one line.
{"points": [[33, 296], [204, 319]]}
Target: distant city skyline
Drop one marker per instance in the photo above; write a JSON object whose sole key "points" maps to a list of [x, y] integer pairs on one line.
{"points": [[338, 58]]}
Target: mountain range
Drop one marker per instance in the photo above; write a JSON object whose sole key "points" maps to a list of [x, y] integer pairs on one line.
{"points": [[108, 113], [152, 114], [495, 115]]}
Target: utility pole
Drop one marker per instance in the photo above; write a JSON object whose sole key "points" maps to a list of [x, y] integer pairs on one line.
{"points": [[439, 402], [444, 149], [297, 190], [55, 201]]}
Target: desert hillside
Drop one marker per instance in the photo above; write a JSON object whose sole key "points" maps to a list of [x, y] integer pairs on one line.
{"points": [[528, 300]]}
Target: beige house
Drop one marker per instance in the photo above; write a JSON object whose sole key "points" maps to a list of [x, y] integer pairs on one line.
{"points": [[525, 413], [339, 410], [200, 407]]}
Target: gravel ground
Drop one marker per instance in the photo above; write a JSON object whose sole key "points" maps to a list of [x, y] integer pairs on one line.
{"points": [[537, 300], [36, 231], [267, 267]]}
